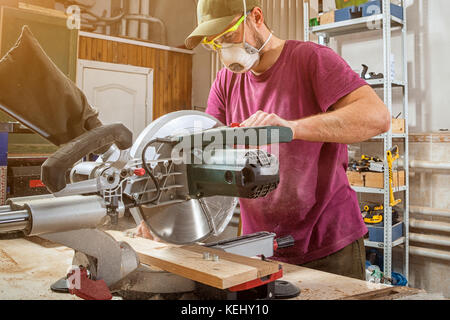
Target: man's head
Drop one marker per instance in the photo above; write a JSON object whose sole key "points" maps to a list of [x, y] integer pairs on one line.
{"points": [[225, 22], [217, 16]]}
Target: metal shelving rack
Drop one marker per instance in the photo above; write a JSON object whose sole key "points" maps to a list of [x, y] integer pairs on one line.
{"points": [[387, 24]]}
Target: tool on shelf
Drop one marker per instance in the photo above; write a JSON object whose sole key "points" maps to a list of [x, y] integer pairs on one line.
{"points": [[392, 155], [373, 214], [372, 75], [366, 164], [396, 17]]}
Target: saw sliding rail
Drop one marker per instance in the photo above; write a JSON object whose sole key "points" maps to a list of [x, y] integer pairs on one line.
{"points": [[13, 220]]}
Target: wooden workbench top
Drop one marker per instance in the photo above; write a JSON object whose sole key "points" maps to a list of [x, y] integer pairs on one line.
{"points": [[29, 266]]}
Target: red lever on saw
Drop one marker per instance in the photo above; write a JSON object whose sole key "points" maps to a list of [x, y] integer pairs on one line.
{"points": [[85, 288]]}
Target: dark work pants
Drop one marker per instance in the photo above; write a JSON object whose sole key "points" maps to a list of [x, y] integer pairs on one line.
{"points": [[348, 262]]}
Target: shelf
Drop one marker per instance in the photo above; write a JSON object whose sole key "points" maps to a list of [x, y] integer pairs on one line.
{"points": [[383, 29], [379, 83], [354, 26], [380, 245], [394, 136], [376, 190]]}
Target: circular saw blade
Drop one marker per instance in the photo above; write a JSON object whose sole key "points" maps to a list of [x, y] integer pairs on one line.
{"points": [[194, 220]]}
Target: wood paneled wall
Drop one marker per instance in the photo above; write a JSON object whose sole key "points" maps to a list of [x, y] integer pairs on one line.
{"points": [[172, 70]]}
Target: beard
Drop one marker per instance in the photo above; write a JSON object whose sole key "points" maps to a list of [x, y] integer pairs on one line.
{"points": [[259, 40]]}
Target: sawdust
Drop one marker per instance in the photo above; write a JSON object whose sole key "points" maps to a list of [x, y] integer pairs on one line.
{"points": [[8, 264], [43, 242], [160, 248]]}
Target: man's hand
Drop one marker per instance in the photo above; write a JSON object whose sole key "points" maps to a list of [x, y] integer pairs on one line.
{"points": [[143, 231], [262, 119]]}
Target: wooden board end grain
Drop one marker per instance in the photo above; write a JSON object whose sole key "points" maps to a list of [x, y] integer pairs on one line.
{"points": [[187, 261]]}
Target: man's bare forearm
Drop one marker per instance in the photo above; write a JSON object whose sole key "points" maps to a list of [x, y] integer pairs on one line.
{"points": [[356, 117], [347, 125]]}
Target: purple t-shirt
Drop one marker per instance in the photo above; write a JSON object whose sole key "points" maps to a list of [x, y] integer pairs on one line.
{"points": [[314, 201]]}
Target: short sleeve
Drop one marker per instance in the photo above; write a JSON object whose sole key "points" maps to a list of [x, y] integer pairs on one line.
{"points": [[332, 78], [216, 101]]}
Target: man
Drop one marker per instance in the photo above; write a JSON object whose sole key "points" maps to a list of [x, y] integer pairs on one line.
{"points": [[310, 89]]}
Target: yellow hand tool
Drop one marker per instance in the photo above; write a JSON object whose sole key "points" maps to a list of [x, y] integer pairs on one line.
{"points": [[373, 214], [392, 155], [368, 158], [373, 219]]}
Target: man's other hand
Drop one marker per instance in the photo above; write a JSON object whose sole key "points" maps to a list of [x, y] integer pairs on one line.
{"points": [[143, 231]]}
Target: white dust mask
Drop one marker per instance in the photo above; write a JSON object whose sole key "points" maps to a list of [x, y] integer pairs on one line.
{"points": [[240, 57]]}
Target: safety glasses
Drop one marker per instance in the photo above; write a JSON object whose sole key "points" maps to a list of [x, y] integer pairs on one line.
{"points": [[214, 44]]}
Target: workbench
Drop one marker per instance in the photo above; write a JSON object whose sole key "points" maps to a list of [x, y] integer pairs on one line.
{"points": [[29, 266]]}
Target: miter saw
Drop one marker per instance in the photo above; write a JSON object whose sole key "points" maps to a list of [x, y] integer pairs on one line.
{"points": [[182, 175]]}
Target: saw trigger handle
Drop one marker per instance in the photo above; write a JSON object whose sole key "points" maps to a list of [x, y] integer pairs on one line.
{"points": [[53, 171], [284, 242]]}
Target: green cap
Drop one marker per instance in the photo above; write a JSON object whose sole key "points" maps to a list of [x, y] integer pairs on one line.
{"points": [[215, 15]]}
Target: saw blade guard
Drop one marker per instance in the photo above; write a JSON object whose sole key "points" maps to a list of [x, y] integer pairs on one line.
{"points": [[194, 220]]}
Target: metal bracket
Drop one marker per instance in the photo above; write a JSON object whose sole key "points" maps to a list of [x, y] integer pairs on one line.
{"points": [[115, 260]]}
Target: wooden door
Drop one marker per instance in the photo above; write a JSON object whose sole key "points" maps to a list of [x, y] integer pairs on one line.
{"points": [[121, 93]]}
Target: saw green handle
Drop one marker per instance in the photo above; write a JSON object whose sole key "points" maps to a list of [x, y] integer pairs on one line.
{"points": [[53, 171], [240, 136]]}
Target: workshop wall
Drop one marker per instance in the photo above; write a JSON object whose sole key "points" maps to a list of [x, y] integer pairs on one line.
{"points": [[430, 189], [180, 18]]}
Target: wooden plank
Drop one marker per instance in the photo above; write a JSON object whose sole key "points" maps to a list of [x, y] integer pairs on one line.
{"points": [[159, 111], [94, 49], [109, 54], [152, 58], [391, 293], [132, 55], [144, 57], [123, 53], [188, 262], [182, 76], [82, 48], [169, 83], [88, 48], [139, 60], [103, 56], [157, 75], [189, 82], [115, 54], [263, 268], [177, 81]]}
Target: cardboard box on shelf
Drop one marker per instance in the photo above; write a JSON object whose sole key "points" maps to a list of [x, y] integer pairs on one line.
{"points": [[374, 179], [326, 18], [398, 126]]}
